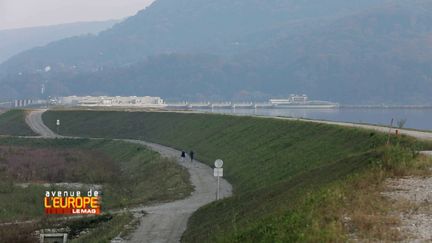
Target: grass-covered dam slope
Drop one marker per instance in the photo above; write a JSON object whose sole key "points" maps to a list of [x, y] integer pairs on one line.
{"points": [[284, 172], [13, 123], [128, 174]]}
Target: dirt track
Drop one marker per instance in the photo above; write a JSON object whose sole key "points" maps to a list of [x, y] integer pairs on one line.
{"points": [[34, 120], [164, 222]]}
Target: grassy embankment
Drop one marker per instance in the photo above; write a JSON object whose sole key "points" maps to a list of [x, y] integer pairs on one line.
{"points": [[293, 181], [13, 123], [130, 174]]}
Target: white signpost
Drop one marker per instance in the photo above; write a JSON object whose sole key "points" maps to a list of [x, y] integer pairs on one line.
{"points": [[218, 172]]}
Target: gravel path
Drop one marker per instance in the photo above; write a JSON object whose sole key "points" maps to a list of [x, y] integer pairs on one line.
{"points": [[416, 221], [167, 222], [34, 120], [164, 222]]}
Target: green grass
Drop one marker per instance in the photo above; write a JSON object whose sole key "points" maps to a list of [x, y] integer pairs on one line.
{"points": [[20, 203], [141, 176], [13, 123], [273, 165], [92, 229], [106, 231]]}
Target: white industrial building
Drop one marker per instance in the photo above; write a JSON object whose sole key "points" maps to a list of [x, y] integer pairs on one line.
{"points": [[293, 99], [121, 101]]}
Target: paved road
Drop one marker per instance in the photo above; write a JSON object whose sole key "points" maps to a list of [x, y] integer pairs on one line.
{"points": [[164, 222]]}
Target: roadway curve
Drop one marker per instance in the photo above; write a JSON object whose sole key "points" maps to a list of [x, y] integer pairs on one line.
{"points": [[164, 222], [34, 121]]}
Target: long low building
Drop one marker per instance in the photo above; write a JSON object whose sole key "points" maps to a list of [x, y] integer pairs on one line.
{"points": [[129, 101]]}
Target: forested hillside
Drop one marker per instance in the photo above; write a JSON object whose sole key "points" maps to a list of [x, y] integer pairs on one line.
{"points": [[350, 52]]}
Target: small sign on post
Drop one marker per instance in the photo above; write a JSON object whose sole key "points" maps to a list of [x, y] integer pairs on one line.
{"points": [[218, 172]]}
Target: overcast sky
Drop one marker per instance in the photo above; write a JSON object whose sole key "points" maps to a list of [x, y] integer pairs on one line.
{"points": [[26, 13]]}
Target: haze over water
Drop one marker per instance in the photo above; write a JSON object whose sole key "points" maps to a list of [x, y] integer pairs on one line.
{"points": [[415, 118]]}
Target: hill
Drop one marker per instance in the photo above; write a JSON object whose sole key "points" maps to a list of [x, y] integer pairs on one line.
{"points": [[14, 41], [184, 26], [368, 52], [293, 181]]}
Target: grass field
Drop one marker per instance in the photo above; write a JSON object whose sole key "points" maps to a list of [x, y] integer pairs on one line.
{"points": [[13, 123], [104, 231], [281, 170], [129, 174]]}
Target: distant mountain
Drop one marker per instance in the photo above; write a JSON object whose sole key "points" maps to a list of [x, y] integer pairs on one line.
{"points": [[351, 52], [14, 41], [185, 26], [380, 55]]}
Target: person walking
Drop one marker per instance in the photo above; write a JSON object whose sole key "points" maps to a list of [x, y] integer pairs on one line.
{"points": [[183, 156], [191, 155]]}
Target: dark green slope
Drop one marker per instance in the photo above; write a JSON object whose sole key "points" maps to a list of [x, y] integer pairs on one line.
{"points": [[272, 164], [13, 123]]}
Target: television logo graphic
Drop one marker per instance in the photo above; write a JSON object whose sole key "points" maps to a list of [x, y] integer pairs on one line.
{"points": [[72, 202]]}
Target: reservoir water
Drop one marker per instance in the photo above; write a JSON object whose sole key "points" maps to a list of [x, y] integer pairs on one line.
{"points": [[415, 118]]}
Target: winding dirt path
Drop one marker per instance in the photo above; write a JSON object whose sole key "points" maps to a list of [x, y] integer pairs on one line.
{"points": [[164, 222], [34, 121]]}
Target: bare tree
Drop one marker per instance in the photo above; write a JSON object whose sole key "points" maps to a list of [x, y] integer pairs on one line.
{"points": [[401, 123]]}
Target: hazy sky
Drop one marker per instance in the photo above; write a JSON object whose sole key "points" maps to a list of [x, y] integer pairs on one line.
{"points": [[25, 13]]}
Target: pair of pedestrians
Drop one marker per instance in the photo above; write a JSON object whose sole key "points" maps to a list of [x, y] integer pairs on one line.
{"points": [[183, 156]]}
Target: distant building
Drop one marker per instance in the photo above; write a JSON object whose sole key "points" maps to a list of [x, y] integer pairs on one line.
{"points": [[27, 103], [130, 101], [302, 101], [292, 99]]}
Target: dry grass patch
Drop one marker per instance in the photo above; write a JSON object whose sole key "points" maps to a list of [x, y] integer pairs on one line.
{"points": [[47, 165], [376, 214]]}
